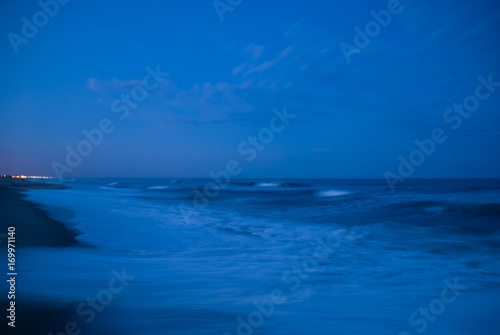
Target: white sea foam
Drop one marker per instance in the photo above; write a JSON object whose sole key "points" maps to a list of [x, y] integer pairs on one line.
{"points": [[331, 193], [159, 187], [267, 185]]}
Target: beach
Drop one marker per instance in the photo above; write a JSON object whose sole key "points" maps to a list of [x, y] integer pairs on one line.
{"points": [[34, 228]]}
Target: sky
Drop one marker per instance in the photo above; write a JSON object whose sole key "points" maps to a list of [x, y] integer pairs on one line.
{"points": [[359, 101]]}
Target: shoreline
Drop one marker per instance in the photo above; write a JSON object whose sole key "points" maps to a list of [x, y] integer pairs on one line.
{"points": [[34, 227]]}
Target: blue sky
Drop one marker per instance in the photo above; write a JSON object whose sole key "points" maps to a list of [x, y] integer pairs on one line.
{"points": [[353, 119]]}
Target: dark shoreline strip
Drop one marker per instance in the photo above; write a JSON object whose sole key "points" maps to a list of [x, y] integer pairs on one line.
{"points": [[34, 228]]}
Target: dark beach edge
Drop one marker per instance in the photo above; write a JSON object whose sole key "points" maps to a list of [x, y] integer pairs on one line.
{"points": [[33, 228]]}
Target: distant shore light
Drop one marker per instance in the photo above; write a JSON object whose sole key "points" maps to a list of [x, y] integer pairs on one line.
{"points": [[27, 177]]}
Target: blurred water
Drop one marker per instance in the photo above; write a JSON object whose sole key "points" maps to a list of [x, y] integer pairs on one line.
{"points": [[383, 256]]}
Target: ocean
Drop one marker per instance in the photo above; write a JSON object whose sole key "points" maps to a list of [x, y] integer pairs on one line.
{"points": [[272, 257]]}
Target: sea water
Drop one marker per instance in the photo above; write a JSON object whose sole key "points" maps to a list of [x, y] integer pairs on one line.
{"points": [[272, 257]]}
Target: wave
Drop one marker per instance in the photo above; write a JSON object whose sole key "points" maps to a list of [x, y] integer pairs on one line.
{"points": [[475, 210], [157, 187], [267, 184], [331, 193], [275, 184], [477, 189], [441, 207]]}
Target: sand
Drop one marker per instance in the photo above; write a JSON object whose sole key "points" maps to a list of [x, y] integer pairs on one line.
{"points": [[33, 229], [33, 226]]}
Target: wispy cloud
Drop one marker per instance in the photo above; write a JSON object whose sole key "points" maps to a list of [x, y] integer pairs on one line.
{"points": [[254, 50], [109, 86]]}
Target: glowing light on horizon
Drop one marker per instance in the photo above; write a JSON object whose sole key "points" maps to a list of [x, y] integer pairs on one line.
{"points": [[27, 177]]}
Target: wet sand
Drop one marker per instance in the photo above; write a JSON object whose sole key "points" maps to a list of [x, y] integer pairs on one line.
{"points": [[33, 229], [33, 226]]}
